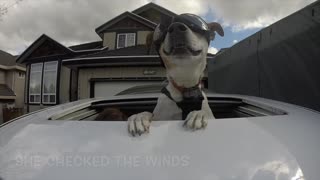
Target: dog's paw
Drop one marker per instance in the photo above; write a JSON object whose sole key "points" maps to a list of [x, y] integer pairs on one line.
{"points": [[196, 120], [139, 123]]}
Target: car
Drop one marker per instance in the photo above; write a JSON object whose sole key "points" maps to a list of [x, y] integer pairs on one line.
{"points": [[251, 138]]}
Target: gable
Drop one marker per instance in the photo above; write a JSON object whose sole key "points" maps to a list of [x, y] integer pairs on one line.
{"points": [[129, 23], [43, 46], [47, 48], [154, 15], [154, 12], [125, 20]]}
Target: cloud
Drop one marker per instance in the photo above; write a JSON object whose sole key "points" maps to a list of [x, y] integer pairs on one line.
{"points": [[198, 7], [68, 22], [234, 41], [212, 50], [74, 21], [250, 14]]}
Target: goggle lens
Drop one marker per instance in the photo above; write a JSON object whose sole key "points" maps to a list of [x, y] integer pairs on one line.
{"points": [[194, 22]]}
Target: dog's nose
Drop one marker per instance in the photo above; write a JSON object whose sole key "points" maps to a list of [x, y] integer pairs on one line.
{"points": [[177, 27]]}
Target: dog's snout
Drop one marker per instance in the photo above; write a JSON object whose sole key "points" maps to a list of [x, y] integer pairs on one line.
{"points": [[177, 27]]}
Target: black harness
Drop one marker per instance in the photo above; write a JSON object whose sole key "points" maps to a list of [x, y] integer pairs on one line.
{"points": [[192, 100]]}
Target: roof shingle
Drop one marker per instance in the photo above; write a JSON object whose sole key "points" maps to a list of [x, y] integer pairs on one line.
{"points": [[87, 46], [7, 59], [128, 51], [6, 91]]}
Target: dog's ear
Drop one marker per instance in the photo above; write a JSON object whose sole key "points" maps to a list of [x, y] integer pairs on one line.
{"points": [[215, 27]]}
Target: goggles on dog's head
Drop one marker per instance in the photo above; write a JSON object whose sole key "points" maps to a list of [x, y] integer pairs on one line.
{"points": [[194, 22]]}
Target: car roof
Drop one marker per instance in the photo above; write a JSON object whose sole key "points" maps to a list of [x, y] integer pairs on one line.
{"points": [[34, 147], [235, 148]]}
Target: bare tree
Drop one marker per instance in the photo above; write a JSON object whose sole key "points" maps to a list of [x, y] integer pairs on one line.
{"points": [[5, 7], [3, 10]]}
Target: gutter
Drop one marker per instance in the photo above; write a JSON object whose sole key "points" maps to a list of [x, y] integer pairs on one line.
{"points": [[15, 67], [110, 57], [7, 97]]}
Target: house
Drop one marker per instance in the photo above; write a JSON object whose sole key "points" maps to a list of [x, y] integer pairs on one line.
{"points": [[12, 82], [58, 74]]}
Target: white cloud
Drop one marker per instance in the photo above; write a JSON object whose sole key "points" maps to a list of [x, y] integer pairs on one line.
{"points": [[74, 21], [249, 14], [212, 50], [235, 41], [198, 7], [66, 21]]}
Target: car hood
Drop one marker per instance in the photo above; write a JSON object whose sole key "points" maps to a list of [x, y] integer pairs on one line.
{"points": [[238, 149]]}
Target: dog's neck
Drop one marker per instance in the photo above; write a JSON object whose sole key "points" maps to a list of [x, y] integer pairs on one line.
{"points": [[181, 89], [176, 91]]}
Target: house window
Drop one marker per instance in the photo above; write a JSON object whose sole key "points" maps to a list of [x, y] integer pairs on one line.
{"points": [[49, 82], [126, 40], [47, 71], [21, 74], [35, 83]]}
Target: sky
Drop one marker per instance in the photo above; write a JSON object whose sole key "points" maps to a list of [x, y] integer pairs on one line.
{"points": [[72, 22]]}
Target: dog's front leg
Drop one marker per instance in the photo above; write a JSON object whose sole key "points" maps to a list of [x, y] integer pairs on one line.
{"points": [[199, 119], [139, 123]]}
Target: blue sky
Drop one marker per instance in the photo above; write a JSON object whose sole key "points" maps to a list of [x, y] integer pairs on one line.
{"points": [[229, 34], [229, 37]]}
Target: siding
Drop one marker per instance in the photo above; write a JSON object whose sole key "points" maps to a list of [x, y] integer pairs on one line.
{"points": [[9, 81], [2, 77], [15, 83], [109, 40], [142, 37], [64, 84], [18, 88], [26, 84]]}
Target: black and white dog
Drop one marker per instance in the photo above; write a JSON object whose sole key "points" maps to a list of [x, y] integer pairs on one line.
{"points": [[182, 44]]}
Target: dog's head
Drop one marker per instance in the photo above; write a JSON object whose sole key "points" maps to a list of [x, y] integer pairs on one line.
{"points": [[183, 44]]}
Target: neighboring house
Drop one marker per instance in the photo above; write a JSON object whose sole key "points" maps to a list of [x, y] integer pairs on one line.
{"points": [[12, 82], [57, 74]]}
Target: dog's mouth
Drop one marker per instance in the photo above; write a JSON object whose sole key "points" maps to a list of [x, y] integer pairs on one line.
{"points": [[181, 49]]}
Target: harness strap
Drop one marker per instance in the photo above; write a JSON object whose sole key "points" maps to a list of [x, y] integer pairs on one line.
{"points": [[189, 103]]}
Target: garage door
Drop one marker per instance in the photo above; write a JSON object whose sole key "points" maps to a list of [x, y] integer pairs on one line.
{"points": [[104, 89]]}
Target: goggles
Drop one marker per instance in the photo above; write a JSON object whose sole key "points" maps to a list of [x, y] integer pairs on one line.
{"points": [[194, 22]]}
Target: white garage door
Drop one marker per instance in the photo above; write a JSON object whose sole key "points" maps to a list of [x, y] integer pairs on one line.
{"points": [[105, 89]]}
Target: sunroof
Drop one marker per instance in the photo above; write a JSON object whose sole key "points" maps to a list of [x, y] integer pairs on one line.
{"points": [[221, 107]]}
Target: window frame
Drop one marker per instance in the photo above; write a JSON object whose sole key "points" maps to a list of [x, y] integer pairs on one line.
{"points": [[29, 94], [29, 89], [21, 75], [43, 76], [126, 39]]}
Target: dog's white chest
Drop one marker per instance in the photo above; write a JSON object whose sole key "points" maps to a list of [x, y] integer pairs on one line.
{"points": [[166, 109]]}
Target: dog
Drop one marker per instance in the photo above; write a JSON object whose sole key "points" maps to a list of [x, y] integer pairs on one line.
{"points": [[111, 114], [182, 44]]}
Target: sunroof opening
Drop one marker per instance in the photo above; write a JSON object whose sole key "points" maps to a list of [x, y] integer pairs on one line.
{"points": [[221, 107]]}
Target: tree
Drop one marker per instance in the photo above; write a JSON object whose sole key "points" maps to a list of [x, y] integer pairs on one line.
{"points": [[5, 7], [3, 10]]}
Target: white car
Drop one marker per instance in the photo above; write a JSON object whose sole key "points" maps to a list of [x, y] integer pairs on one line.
{"points": [[251, 139]]}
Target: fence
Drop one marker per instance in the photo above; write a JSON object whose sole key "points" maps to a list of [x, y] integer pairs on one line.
{"points": [[280, 62], [11, 113]]}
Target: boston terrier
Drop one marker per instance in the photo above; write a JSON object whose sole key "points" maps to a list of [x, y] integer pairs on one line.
{"points": [[182, 44]]}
